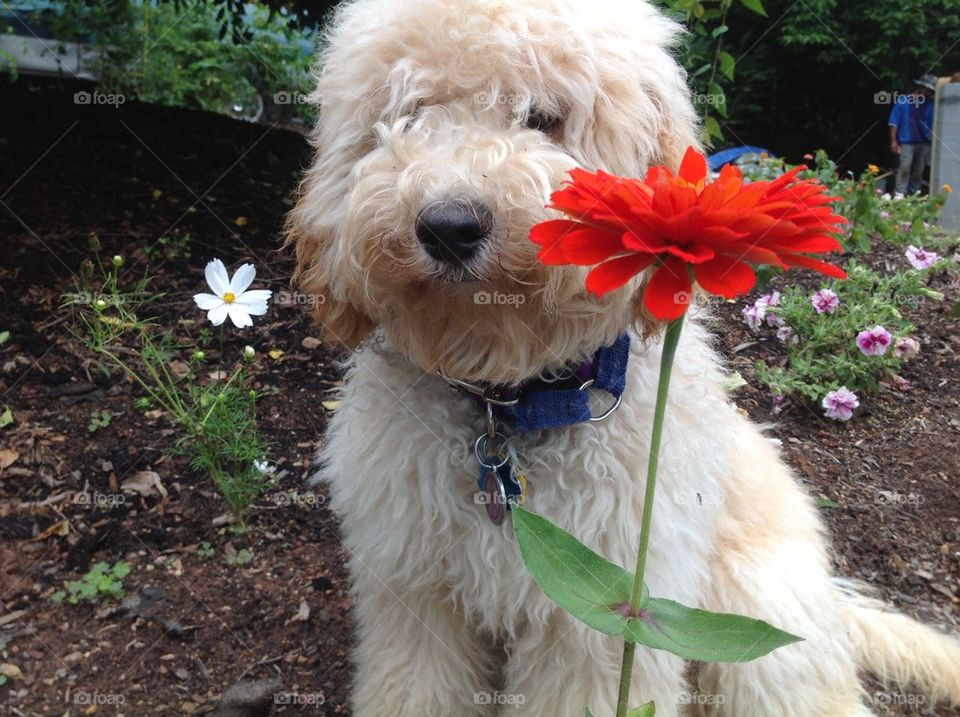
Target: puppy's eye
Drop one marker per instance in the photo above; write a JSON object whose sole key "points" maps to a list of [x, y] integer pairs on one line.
{"points": [[542, 122]]}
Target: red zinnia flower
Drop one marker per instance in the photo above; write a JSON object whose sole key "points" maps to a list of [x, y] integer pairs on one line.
{"points": [[676, 222]]}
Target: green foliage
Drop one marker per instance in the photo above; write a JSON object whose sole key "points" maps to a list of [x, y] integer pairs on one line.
{"points": [[873, 214], [227, 445], [240, 558], [170, 248], [807, 75], [205, 550], [216, 417], [822, 354], [102, 581], [597, 592], [176, 54], [705, 58], [98, 420]]}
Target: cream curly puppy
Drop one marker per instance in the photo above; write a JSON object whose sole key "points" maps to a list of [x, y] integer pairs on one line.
{"points": [[444, 127]]}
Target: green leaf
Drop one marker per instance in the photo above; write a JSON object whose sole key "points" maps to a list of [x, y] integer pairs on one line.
{"points": [[647, 710], [121, 569], [6, 418], [704, 636], [711, 130], [718, 99], [58, 596], [727, 64], [581, 582], [4, 337], [755, 5], [88, 591], [827, 503]]}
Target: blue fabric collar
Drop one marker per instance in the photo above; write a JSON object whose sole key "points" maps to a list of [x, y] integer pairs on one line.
{"points": [[539, 404]]}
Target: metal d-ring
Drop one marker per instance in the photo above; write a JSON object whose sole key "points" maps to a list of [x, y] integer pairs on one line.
{"points": [[487, 393], [480, 449], [609, 412]]}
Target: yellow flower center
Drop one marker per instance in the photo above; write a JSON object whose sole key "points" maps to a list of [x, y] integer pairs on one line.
{"points": [[229, 298]]}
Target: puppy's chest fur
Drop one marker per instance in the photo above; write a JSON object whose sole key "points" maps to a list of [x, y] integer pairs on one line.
{"points": [[399, 461]]}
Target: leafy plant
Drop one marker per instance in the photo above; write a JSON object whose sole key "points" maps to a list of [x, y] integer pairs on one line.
{"points": [[101, 581], [98, 420], [874, 214], [216, 417], [170, 248], [821, 353], [240, 558], [205, 550], [176, 54], [705, 57]]}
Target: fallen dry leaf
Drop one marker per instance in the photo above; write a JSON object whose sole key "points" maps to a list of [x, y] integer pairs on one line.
{"points": [[58, 529], [8, 456], [10, 671], [303, 614], [145, 483], [331, 405]]}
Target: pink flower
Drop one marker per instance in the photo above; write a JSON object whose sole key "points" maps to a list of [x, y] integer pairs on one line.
{"points": [[906, 348], [778, 403], [769, 300], [874, 342], [753, 316], [839, 404], [900, 383], [785, 334], [884, 215], [825, 301], [921, 258], [768, 303], [907, 226]]}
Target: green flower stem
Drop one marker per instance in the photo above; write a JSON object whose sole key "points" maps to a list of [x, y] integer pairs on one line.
{"points": [[670, 340]]}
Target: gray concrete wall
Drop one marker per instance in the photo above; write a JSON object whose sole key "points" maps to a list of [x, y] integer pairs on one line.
{"points": [[946, 152]]}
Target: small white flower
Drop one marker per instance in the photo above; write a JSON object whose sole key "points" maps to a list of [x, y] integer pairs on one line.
{"points": [[263, 466], [249, 352], [230, 296]]}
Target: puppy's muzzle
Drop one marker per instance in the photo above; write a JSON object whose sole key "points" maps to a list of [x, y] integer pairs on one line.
{"points": [[453, 231]]}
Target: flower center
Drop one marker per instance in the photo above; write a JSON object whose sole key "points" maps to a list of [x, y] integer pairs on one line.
{"points": [[229, 298]]}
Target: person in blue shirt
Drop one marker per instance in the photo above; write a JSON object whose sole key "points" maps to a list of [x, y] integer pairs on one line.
{"points": [[911, 130]]}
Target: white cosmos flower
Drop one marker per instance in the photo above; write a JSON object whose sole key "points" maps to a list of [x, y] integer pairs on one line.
{"points": [[230, 296]]}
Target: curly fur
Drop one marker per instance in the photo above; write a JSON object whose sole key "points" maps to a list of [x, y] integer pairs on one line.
{"points": [[426, 100]]}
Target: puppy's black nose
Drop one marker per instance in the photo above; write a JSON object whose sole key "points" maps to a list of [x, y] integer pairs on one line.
{"points": [[453, 231]]}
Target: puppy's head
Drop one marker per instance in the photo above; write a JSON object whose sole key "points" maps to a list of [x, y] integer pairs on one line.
{"points": [[444, 127]]}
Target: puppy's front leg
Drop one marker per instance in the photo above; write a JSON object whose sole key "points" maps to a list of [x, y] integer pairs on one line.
{"points": [[562, 667], [415, 657]]}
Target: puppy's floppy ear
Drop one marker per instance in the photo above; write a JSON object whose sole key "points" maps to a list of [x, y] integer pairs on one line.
{"points": [[342, 323]]}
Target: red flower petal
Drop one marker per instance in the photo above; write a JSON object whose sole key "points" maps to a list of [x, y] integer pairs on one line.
{"points": [[725, 276], [615, 273], [668, 292], [719, 229], [693, 168], [566, 242], [808, 263]]}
